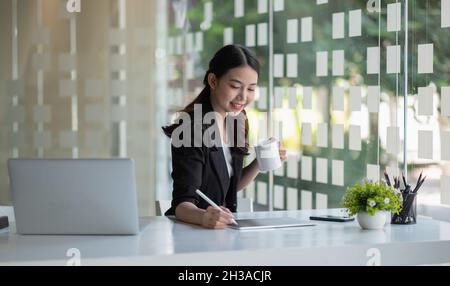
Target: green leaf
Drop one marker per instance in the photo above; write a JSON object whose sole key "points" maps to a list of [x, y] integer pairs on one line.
{"points": [[358, 196]]}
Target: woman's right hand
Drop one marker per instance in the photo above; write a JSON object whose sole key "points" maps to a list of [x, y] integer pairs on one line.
{"points": [[214, 218]]}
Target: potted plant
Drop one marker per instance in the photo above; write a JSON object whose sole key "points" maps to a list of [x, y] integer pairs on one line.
{"points": [[370, 201]]}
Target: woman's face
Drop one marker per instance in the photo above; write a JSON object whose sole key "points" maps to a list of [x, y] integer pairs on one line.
{"points": [[234, 90]]}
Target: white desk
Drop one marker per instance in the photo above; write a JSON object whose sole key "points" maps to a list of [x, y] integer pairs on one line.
{"points": [[165, 242]]}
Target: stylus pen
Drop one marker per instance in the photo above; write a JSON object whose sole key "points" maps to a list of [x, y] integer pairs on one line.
{"points": [[213, 204]]}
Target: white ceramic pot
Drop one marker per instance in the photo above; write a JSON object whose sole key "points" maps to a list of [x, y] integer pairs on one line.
{"points": [[388, 218], [366, 221]]}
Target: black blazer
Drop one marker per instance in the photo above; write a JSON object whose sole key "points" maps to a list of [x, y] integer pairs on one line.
{"points": [[204, 168]]}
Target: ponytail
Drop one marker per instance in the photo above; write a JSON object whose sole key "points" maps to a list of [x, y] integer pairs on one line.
{"points": [[202, 97]]}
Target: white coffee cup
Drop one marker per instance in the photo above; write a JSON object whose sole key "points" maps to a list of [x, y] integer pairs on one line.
{"points": [[268, 154]]}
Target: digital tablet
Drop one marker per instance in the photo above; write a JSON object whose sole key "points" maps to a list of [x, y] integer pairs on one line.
{"points": [[262, 223]]}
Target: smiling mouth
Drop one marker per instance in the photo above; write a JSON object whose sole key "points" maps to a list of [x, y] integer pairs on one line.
{"points": [[237, 106]]}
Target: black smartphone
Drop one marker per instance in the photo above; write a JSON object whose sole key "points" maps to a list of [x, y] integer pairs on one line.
{"points": [[332, 218]]}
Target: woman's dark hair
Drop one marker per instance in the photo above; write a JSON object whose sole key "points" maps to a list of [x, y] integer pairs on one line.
{"points": [[225, 59]]}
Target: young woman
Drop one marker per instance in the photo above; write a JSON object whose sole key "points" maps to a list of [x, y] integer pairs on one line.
{"points": [[217, 171]]}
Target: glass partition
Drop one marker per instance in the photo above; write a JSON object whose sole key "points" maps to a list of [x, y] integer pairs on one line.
{"points": [[331, 87], [428, 100], [78, 84], [100, 82]]}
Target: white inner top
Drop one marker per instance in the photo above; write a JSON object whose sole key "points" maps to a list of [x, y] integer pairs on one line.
{"points": [[228, 158]]}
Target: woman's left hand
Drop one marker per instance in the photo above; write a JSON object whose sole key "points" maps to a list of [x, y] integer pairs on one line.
{"points": [[282, 151]]}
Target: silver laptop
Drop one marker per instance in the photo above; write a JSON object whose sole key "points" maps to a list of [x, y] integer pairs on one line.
{"points": [[96, 197], [262, 223]]}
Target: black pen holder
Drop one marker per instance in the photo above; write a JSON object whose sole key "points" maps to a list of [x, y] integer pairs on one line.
{"points": [[408, 213]]}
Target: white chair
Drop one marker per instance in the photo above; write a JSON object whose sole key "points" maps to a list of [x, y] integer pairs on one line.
{"points": [[7, 211], [438, 212], [162, 206], [243, 205]]}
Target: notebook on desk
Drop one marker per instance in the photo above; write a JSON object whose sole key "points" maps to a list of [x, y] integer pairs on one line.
{"points": [[262, 223]]}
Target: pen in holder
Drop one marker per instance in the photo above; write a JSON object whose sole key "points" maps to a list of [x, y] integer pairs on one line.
{"points": [[408, 213]]}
